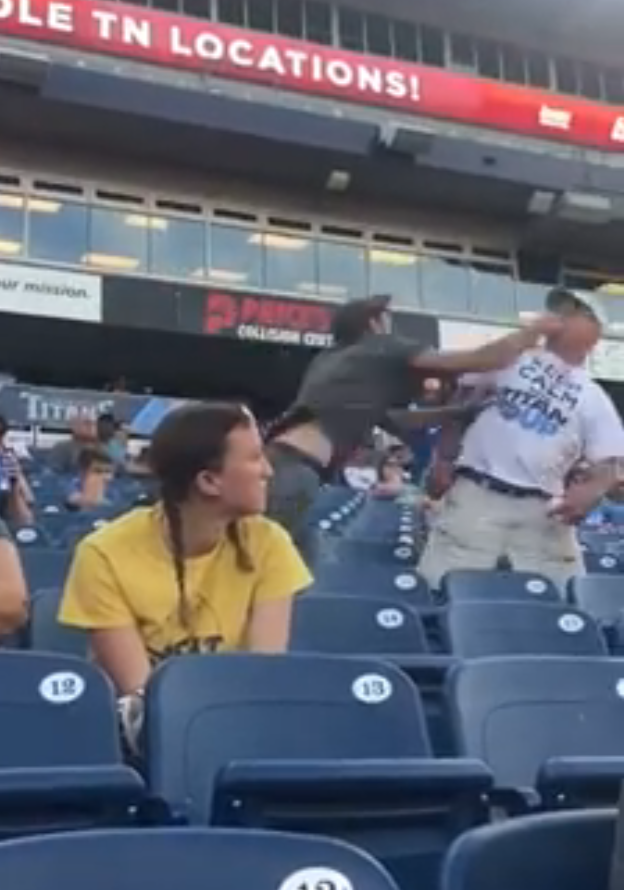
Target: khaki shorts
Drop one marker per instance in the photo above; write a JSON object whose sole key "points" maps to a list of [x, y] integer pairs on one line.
{"points": [[475, 527]]}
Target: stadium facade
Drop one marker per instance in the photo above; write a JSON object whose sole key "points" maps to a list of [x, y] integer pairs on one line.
{"points": [[193, 186]]}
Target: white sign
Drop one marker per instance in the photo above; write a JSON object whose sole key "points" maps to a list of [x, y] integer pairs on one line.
{"points": [[372, 689], [62, 688], [571, 624], [405, 582], [556, 118], [536, 586], [35, 290], [390, 618], [318, 878], [26, 535]]}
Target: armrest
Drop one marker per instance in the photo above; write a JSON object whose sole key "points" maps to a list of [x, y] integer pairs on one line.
{"points": [[588, 778], [71, 786], [320, 779]]}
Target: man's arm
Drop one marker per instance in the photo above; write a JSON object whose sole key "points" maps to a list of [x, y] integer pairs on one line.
{"points": [[581, 497], [491, 356]]}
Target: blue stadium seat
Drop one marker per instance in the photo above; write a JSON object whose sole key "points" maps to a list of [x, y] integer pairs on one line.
{"points": [[45, 632], [329, 745], [358, 625], [45, 567], [60, 759], [555, 851], [602, 563], [190, 858], [475, 584], [602, 597], [28, 537], [481, 629], [551, 724], [371, 579], [349, 550]]}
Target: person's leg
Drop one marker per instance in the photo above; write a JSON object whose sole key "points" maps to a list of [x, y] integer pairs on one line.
{"points": [[292, 491], [541, 544], [466, 532]]}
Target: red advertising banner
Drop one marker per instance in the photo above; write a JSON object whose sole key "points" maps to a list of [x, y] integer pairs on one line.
{"points": [[178, 42]]}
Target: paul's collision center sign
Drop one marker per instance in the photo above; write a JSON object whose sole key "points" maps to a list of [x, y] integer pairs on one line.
{"points": [[177, 42]]}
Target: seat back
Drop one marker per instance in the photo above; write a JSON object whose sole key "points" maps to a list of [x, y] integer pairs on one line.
{"points": [[568, 851], [482, 629], [190, 858], [601, 596], [372, 579], [474, 584], [55, 710], [46, 633], [358, 625], [517, 713], [603, 564], [44, 567], [203, 713]]}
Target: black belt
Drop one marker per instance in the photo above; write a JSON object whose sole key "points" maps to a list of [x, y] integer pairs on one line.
{"points": [[500, 487]]}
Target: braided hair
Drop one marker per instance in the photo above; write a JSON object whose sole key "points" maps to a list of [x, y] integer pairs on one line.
{"points": [[188, 441]]}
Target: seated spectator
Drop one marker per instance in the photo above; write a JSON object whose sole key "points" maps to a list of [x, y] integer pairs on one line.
{"points": [[63, 457], [13, 592], [112, 438], [391, 477], [92, 486], [201, 570], [16, 497]]}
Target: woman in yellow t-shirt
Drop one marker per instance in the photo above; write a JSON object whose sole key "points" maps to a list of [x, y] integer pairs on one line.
{"points": [[201, 571]]}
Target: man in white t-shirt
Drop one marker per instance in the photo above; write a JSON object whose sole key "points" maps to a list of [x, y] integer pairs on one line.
{"points": [[542, 415]]}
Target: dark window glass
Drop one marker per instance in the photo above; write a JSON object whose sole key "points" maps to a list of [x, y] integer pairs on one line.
{"points": [[290, 263], [394, 272], [566, 76], [538, 70], [11, 225], [513, 65], [488, 59], [342, 270], [290, 18], [318, 27], [235, 256], [432, 46], [445, 285], [405, 37], [177, 247], [118, 240], [350, 29], [462, 52], [260, 15], [614, 86], [57, 231], [198, 8], [493, 291], [169, 5], [231, 11], [378, 39], [590, 82]]}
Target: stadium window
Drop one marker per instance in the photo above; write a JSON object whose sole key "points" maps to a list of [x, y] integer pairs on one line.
{"points": [[444, 285], [289, 262], [462, 55], [342, 270], [493, 291], [351, 29], [566, 78], [318, 22], [405, 38], [393, 272], [57, 231], [232, 12], [432, 46], [166, 5], [260, 15], [235, 256], [590, 81], [614, 86], [488, 59], [538, 70], [118, 240], [200, 9], [12, 217], [529, 297], [290, 18], [513, 65], [177, 247], [378, 36]]}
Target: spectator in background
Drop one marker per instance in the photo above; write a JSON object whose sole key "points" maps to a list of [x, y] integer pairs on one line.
{"points": [[391, 475], [91, 488], [202, 570], [64, 456], [112, 438], [13, 591], [16, 498]]}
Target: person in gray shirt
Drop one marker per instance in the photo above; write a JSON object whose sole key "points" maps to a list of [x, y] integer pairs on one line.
{"points": [[352, 388]]}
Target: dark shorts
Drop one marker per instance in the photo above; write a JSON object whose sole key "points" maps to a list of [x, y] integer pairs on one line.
{"points": [[293, 489]]}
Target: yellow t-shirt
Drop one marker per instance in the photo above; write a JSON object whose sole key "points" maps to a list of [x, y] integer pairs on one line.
{"points": [[123, 575]]}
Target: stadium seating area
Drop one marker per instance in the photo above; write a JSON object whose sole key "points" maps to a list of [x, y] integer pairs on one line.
{"points": [[470, 738]]}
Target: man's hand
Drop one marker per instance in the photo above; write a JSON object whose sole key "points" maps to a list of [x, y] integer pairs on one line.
{"points": [[545, 325], [579, 500]]}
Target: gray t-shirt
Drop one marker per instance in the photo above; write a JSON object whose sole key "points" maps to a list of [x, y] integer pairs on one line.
{"points": [[349, 390]]}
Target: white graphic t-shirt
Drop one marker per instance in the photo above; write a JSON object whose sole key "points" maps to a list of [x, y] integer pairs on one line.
{"points": [[545, 416]]}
